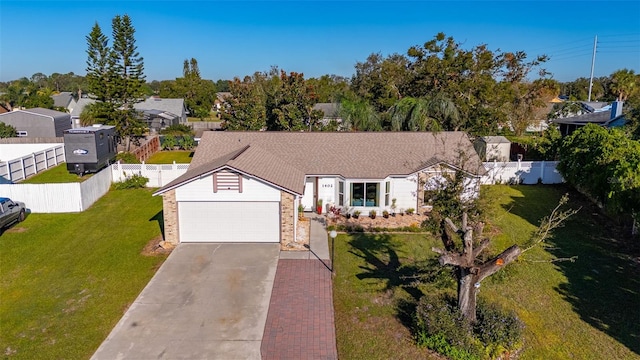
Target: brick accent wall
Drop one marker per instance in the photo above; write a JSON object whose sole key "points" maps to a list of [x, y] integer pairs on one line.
{"points": [[170, 215], [287, 220]]}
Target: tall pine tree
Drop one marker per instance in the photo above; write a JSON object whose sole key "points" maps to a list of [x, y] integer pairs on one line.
{"points": [[116, 77]]}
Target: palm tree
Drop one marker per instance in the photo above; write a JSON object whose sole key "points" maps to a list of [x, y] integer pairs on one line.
{"points": [[434, 113], [359, 115], [624, 83]]}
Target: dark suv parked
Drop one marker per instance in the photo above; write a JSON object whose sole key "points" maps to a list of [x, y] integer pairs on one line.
{"points": [[10, 212]]}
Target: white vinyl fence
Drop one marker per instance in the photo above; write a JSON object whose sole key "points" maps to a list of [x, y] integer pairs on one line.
{"points": [[77, 197], [22, 167], [59, 198], [158, 175], [522, 172]]}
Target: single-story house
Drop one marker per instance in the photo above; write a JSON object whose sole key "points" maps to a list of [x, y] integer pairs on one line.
{"points": [[78, 108], [607, 116], [64, 100], [159, 113], [37, 122], [330, 111], [493, 148], [247, 186]]}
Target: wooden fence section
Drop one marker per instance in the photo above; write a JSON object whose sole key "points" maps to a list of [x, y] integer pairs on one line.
{"points": [[522, 172], [147, 149], [158, 175], [60, 198], [25, 166]]}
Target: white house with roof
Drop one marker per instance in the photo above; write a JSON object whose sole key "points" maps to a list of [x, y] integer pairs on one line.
{"points": [[247, 186]]}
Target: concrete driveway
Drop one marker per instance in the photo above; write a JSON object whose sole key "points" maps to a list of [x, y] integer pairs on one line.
{"points": [[207, 301]]}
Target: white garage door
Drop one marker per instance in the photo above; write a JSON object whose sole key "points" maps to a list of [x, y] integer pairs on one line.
{"points": [[229, 221]]}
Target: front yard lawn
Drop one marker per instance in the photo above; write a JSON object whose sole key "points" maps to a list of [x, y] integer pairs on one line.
{"points": [[66, 279], [56, 174], [168, 157], [587, 309]]}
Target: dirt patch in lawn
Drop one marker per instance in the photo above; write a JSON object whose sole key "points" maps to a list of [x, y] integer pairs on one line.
{"points": [[155, 247], [16, 229]]}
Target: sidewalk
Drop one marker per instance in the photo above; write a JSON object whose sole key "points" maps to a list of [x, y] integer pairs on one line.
{"points": [[300, 322]]}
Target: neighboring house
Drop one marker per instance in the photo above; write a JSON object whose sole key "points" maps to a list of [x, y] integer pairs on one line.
{"points": [[607, 116], [64, 99], [247, 186], [331, 112], [38, 122], [3, 109], [160, 113], [78, 109], [493, 148], [221, 100]]}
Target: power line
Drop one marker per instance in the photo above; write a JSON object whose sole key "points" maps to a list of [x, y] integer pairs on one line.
{"points": [[561, 44], [619, 35]]}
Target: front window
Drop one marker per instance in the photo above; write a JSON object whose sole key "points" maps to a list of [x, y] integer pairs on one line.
{"points": [[340, 193], [364, 194]]}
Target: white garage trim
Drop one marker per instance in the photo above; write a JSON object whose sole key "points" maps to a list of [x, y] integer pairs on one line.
{"points": [[229, 221]]}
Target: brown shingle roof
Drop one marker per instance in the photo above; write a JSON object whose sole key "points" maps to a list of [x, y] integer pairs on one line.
{"points": [[284, 158]]}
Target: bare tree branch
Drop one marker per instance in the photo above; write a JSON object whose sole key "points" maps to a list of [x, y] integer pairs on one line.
{"points": [[549, 223], [500, 261], [483, 245]]}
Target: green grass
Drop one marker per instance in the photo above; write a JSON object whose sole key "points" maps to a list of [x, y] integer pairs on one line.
{"points": [[56, 174], [587, 309], [66, 279], [168, 157]]}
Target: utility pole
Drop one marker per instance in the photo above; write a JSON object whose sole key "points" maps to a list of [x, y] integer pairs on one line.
{"points": [[593, 63]]}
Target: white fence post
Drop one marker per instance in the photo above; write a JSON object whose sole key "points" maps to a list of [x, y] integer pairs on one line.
{"points": [[24, 172]]}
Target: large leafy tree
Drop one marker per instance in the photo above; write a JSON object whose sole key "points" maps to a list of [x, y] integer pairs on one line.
{"points": [[199, 94], [329, 88], [24, 93], [247, 109], [606, 165], [476, 81], [291, 105], [381, 81], [272, 100], [7, 131]]}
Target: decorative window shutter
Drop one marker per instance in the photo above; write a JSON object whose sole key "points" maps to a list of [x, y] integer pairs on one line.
{"points": [[225, 180]]}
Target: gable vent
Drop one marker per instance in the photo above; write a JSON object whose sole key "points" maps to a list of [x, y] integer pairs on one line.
{"points": [[225, 180]]}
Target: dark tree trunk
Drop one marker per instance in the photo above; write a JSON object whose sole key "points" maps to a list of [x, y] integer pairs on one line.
{"points": [[467, 292], [471, 272]]}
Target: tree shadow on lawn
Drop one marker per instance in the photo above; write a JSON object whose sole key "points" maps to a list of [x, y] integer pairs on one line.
{"points": [[604, 282], [383, 263]]}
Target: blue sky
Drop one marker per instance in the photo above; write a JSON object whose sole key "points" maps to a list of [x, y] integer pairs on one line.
{"points": [[238, 38]]}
